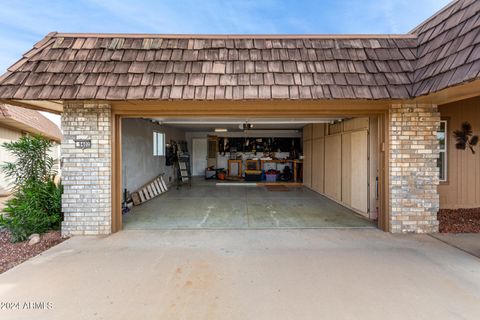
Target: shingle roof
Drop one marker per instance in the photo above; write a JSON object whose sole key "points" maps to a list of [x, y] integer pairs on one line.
{"points": [[228, 67], [449, 48], [29, 120], [155, 67]]}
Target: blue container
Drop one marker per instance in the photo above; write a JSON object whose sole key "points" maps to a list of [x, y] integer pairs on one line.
{"points": [[271, 177]]}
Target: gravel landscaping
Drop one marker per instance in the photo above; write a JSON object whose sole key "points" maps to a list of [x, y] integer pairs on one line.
{"points": [[459, 220], [12, 254]]}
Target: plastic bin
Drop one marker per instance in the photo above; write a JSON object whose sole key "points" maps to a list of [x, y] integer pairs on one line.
{"points": [[271, 177]]}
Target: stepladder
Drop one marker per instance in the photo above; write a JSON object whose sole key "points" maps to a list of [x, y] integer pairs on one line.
{"points": [[184, 174]]}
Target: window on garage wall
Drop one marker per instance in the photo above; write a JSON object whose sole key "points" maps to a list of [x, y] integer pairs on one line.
{"points": [[442, 142], [158, 143]]}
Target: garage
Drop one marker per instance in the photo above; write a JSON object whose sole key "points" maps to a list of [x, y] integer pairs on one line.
{"points": [[250, 172], [367, 135]]}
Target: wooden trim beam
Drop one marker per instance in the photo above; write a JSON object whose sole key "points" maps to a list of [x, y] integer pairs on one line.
{"points": [[249, 108], [116, 172], [452, 94]]}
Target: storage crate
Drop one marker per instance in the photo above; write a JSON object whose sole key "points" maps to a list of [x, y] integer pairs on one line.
{"points": [[271, 177]]}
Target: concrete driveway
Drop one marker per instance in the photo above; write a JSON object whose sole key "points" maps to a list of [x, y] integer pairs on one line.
{"points": [[248, 274]]}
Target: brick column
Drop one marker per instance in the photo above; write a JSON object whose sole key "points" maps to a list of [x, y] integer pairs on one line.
{"points": [[414, 201], [86, 201]]}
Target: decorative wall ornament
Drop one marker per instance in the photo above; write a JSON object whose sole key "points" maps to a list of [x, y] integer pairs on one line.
{"points": [[465, 138]]}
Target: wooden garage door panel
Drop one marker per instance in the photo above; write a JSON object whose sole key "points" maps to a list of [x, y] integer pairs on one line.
{"points": [[346, 168], [307, 132], [333, 166], [318, 130], [359, 169], [318, 154]]}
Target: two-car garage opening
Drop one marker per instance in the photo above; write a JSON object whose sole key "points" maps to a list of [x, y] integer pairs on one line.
{"points": [[237, 173]]}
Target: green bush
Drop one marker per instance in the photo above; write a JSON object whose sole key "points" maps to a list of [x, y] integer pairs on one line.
{"points": [[35, 208], [36, 203]]}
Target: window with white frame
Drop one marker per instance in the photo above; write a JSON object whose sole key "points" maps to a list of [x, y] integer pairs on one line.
{"points": [[158, 143], [442, 142]]}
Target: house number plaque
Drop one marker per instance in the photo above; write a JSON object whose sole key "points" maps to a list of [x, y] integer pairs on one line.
{"points": [[83, 144]]}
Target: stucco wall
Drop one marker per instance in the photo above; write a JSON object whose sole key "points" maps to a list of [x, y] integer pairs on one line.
{"points": [[462, 188], [139, 165], [6, 135]]}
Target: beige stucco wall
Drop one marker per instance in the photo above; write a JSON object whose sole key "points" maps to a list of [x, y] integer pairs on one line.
{"points": [[6, 135], [462, 188]]}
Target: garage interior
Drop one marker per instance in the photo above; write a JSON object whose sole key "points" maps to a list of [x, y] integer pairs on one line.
{"points": [[250, 172]]}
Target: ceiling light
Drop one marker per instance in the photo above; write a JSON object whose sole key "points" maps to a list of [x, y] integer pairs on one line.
{"points": [[221, 130], [245, 126]]}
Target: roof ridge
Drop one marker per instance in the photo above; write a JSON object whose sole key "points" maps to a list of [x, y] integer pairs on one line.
{"points": [[234, 36]]}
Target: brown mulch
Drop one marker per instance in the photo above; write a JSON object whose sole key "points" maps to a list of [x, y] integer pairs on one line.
{"points": [[12, 254], [459, 220]]}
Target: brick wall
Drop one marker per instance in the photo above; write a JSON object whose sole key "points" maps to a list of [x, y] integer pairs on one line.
{"points": [[86, 173], [414, 201]]}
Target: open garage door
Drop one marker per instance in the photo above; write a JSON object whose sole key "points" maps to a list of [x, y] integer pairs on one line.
{"points": [[331, 163]]}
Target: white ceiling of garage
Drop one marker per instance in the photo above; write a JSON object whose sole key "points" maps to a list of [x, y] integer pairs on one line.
{"points": [[209, 124]]}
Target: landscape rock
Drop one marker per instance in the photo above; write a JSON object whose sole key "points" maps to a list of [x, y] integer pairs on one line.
{"points": [[34, 239]]}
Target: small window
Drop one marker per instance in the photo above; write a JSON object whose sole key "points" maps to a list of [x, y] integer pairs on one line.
{"points": [[442, 143], [158, 144]]}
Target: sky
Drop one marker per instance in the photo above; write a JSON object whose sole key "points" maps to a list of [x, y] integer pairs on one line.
{"points": [[23, 23]]}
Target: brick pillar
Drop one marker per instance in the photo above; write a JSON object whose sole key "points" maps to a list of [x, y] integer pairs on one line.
{"points": [[86, 201], [414, 200]]}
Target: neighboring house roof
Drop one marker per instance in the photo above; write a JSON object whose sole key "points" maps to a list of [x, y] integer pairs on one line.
{"points": [[203, 67], [30, 121]]}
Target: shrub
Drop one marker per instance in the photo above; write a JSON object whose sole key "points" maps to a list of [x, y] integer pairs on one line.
{"points": [[35, 208], [32, 160], [36, 203]]}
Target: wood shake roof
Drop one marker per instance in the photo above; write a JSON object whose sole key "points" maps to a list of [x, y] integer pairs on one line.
{"points": [[449, 48], [238, 67]]}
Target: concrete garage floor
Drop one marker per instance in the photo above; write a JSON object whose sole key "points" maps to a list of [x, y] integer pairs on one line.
{"points": [[248, 274], [207, 206]]}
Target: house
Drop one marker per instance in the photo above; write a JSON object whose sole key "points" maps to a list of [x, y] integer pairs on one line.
{"points": [[16, 122], [374, 114]]}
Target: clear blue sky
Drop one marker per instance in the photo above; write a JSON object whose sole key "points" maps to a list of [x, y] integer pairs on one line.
{"points": [[24, 22]]}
